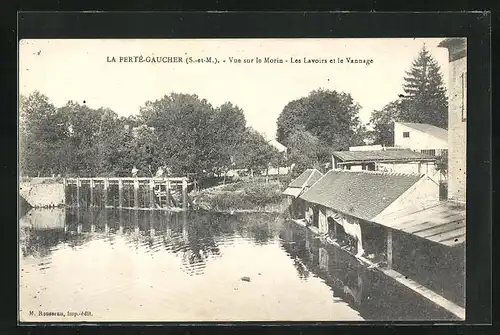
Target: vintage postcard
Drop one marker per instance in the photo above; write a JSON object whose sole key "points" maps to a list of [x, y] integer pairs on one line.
{"points": [[194, 180]]}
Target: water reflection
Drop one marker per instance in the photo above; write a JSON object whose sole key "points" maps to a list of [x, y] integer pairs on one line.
{"points": [[370, 292], [152, 265], [195, 237]]}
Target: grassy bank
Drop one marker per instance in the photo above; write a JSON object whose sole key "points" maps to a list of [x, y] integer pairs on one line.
{"points": [[253, 195]]}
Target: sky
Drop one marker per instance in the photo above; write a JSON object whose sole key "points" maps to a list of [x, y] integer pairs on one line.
{"points": [[83, 70]]}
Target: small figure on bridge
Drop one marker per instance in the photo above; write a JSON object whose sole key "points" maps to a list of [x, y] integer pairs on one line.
{"points": [[134, 171], [159, 172]]}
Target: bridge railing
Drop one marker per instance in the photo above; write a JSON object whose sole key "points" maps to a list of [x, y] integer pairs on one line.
{"points": [[159, 192]]}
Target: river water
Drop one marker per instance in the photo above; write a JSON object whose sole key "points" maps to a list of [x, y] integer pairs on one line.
{"points": [[108, 265]]}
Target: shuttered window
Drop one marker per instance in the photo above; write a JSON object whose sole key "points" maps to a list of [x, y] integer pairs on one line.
{"points": [[430, 152]]}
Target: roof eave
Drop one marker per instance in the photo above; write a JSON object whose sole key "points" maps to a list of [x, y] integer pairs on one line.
{"points": [[409, 160]]}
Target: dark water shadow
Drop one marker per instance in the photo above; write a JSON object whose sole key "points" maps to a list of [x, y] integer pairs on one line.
{"points": [[374, 295]]}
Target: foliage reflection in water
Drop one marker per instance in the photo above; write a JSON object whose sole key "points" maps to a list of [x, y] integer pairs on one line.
{"points": [[158, 266]]}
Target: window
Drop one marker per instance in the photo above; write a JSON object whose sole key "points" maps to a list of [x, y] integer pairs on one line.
{"points": [[464, 96], [430, 152], [406, 134]]}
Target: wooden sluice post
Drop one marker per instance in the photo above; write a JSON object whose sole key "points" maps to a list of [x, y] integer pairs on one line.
{"points": [[167, 193], [136, 220], [78, 184], [184, 194], [185, 233], [152, 223], [136, 193], [106, 187], [389, 248], [151, 193], [92, 185], [167, 224], [120, 194]]}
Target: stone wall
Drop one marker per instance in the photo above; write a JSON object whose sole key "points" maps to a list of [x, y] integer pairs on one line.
{"points": [[44, 218], [42, 194], [457, 130]]}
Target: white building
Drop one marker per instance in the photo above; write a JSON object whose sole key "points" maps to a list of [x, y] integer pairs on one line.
{"points": [[387, 160], [421, 137], [280, 147]]}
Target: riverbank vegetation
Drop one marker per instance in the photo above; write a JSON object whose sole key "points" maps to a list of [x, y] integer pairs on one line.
{"points": [[250, 195]]}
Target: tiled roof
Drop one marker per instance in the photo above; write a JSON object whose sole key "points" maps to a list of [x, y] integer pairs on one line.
{"points": [[362, 194], [380, 155], [428, 129], [442, 222]]}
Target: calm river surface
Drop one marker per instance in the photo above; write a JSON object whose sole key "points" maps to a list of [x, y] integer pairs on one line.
{"points": [[107, 265]]}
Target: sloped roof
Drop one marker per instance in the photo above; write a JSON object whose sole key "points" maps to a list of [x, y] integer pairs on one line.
{"points": [[380, 155], [428, 129], [293, 191], [362, 194], [302, 182], [442, 222], [310, 176], [280, 147], [452, 42]]}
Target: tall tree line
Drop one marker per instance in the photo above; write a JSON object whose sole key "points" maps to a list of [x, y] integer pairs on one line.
{"points": [[181, 131]]}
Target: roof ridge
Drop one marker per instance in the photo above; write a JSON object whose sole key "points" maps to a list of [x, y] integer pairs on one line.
{"points": [[308, 178], [378, 172]]}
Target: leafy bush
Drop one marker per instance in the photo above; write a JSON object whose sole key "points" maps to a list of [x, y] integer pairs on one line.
{"points": [[255, 195]]}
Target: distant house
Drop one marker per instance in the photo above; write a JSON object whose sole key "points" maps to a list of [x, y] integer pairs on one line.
{"points": [[298, 186], [280, 147], [387, 160], [273, 171], [421, 137]]}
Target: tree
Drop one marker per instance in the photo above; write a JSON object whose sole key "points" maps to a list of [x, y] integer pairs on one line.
{"points": [[306, 150], [42, 136], [228, 124], [145, 151], [256, 153], [290, 119], [383, 123], [425, 94], [195, 137], [95, 139], [330, 116], [311, 127], [442, 163], [183, 125]]}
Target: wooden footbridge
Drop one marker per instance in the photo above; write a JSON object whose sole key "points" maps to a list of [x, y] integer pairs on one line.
{"points": [[146, 193]]}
